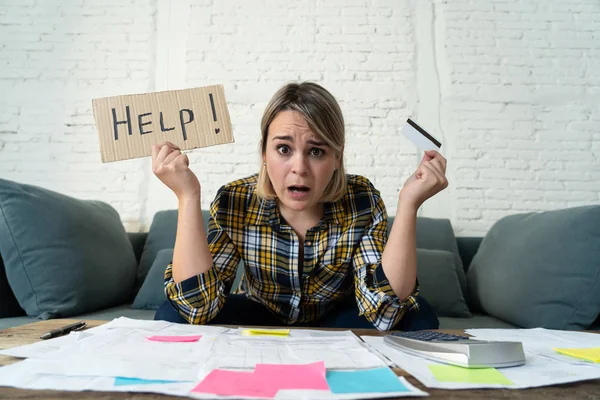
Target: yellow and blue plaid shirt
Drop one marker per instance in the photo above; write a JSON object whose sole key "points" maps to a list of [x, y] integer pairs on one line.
{"points": [[342, 254]]}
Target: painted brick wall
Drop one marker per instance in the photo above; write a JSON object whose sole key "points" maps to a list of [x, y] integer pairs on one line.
{"points": [[511, 88], [56, 56], [520, 95]]}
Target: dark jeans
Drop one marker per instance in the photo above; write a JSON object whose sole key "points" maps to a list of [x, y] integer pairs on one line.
{"points": [[239, 310]]}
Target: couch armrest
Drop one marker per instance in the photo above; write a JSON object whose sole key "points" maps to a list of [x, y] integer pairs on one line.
{"points": [[467, 247]]}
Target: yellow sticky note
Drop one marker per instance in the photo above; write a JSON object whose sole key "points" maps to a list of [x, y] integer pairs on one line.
{"points": [[271, 332], [451, 373], [589, 354]]}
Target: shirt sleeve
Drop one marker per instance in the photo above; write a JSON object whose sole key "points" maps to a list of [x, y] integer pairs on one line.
{"points": [[375, 297], [200, 298]]}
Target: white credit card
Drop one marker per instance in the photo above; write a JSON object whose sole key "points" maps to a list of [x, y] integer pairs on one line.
{"points": [[420, 137]]}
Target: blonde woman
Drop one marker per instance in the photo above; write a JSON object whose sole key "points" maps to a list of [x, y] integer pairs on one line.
{"points": [[313, 239]]}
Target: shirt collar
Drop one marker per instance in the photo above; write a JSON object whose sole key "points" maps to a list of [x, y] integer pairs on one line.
{"points": [[264, 212]]}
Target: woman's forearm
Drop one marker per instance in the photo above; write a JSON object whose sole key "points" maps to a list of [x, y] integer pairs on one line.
{"points": [[191, 255], [399, 258]]}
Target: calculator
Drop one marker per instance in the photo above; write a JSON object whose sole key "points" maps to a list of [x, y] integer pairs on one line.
{"points": [[457, 350]]}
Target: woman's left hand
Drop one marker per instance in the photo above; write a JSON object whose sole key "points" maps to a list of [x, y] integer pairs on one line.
{"points": [[428, 179]]}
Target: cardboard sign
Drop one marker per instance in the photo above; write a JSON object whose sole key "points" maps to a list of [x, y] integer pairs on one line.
{"points": [[129, 125]]}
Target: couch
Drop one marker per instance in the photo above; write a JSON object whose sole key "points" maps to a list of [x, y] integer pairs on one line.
{"points": [[65, 257]]}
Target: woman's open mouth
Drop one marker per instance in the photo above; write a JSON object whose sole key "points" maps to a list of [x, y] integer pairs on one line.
{"points": [[298, 192]]}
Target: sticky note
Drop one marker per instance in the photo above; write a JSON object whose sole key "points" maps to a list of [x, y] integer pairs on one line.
{"points": [[451, 373], [378, 380], [419, 136], [175, 339], [121, 381], [236, 383], [272, 332], [589, 354], [296, 376]]}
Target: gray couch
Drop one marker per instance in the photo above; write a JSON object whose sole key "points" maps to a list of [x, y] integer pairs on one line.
{"points": [[66, 257], [467, 247]]}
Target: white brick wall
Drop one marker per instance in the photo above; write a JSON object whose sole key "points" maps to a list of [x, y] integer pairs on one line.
{"points": [[521, 101], [56, 56], [511, 88]]}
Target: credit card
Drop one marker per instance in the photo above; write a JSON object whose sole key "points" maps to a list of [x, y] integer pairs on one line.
{"points": [[420, 137]]}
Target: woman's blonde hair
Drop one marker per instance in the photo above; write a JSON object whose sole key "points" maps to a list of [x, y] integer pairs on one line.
{"points": [[324, 117]]}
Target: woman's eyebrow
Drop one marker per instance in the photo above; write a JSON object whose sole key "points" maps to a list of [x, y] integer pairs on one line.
{"points": [[313, 142], [288, 138], [316, 142]]}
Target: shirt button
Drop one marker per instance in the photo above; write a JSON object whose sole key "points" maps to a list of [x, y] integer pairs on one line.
{"points": [[309, 243]]}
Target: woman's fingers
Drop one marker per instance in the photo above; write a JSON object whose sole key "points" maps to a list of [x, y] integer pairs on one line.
{"points": [[161, 151], [437, 179], [172, 156], [438, 165]]}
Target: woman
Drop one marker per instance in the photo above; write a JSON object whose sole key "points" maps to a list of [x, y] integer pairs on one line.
{"points": [[313, 239]]}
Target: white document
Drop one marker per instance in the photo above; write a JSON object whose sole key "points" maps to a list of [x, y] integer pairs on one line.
{"points": [[541, 341], [131, 355], [113, 334], [244, 352], [323, 395], [33, 374], [123, 323], [38, 374], [45, 348], [99, 358], [537, 371]]}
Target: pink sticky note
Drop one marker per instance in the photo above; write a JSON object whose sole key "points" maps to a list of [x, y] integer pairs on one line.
{"points": [[234, 383], [296, 376], [175, 339]]}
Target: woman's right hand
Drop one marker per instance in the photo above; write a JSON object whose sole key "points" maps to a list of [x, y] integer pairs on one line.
{"points": [[171, 166]]}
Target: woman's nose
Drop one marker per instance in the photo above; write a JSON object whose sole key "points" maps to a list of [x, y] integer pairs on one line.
{"points": [[300, 166]]}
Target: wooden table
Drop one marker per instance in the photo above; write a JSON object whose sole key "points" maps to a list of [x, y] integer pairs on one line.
{"points": [[30, 333]]}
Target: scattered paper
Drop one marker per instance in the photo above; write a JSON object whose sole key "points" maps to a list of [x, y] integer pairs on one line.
{"points": [[588, 353], [38, 375], [452, 373], [537, 371], [366, 381], [542, 341], [175, 339], [244, 352]]}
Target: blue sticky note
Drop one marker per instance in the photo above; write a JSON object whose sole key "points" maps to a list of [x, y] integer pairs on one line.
{"points": [[120, 381], [378, 380]]}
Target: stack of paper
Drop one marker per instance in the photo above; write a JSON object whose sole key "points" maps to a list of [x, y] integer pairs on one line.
{"points": [[206, 362], [544, 366]]}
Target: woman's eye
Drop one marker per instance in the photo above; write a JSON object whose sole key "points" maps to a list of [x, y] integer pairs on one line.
{"points": [[283, 149], [317, 152]]}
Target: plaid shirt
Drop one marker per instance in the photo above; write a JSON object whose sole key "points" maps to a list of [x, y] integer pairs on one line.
{"points": [[342, 254]]}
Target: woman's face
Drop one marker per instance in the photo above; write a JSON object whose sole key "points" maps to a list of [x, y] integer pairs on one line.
{"points": [[300, 165]]}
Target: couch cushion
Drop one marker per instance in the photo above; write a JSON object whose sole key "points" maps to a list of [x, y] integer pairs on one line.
{"points": [[152, 293], [476, 321], [160, 236], [439, 284], [541, 269], [63, 256], [437, 234]]}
